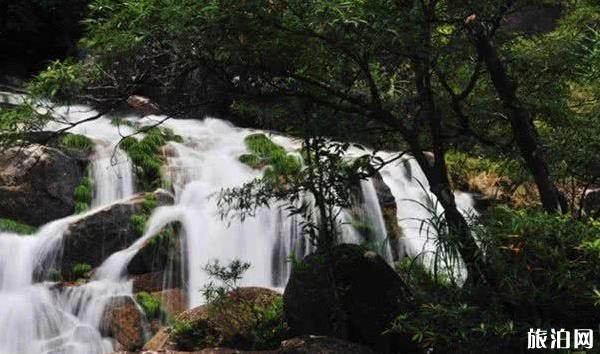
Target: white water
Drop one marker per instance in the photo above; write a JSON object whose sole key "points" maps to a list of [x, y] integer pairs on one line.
{"points": [[36, 318]]}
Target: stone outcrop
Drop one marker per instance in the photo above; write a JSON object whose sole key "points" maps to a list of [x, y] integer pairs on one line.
{"points": [[124, 321], [370, 295], [97, 235], [389, 209], [37, 183], [143, 105], [207, 324]]}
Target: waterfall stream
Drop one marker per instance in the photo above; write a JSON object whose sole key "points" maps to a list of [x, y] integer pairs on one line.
{"points": [[40, 317]]}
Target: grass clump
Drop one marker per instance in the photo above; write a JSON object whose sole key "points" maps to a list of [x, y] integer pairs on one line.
{"points": [[145, 155], [264, 152], [81, 270], [151, 304], [83, 195], [78, 143], [9, 225]]}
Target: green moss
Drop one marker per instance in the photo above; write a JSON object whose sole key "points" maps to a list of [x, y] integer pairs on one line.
{"points": [[262, 146], [145, 155], [140, 219], [83, 195], [76, 142], [151, 304], [265, 152], [81, 270], [9, 225]]}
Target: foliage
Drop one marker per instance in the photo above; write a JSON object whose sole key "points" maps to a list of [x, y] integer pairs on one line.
{"points": [[550, 273], [145, 155], [61, 80], [236, 321], [9, 225], [316, 190], [151, 305], [17, 123], [265, 152], [81, 270], [79, 143], [140, 219], [83, 194]]}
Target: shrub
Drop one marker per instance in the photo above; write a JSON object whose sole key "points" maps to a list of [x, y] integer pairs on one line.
{"points": [[548, 273], [9, 225], [81, 270], [250, 320]]}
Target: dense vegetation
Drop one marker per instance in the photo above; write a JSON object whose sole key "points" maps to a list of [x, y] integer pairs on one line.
{"points": [[508, 111]]}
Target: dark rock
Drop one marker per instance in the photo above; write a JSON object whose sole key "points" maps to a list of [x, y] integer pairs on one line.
{"points": [[96, 236], [37, 183], [124, 321], [370, 296], [321, 345], [591, 202], [389, 208], [162, 253]]}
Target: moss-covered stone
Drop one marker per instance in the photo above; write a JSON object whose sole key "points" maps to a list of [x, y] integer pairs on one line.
{"points": [[265, 153], [247, 318], [146, 155]]}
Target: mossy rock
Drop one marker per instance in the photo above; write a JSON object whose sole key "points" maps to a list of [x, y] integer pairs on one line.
{"points": [[249, 319]]}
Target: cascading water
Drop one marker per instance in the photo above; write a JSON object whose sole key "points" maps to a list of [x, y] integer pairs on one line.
{"points": [[40, 317]]}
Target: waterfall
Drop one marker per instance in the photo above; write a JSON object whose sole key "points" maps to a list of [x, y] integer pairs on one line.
{"points": [[41, 317]]}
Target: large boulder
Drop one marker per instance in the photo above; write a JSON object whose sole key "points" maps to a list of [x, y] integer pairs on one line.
{"points": [[37, 183], [369, 296], [232, 324], [96, 236], [125, 322]]}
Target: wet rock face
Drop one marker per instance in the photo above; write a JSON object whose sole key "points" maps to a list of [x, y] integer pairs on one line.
{"points": [[372, 296], [124, 321], [37, 183], [98, 235], [389, 209]]}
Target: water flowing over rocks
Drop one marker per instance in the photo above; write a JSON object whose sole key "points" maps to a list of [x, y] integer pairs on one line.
{"points": [[95, 237], [37, 183], [370, 295]]}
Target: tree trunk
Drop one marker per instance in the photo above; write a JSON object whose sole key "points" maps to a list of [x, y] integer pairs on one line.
{"points": [[522, 126]]}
